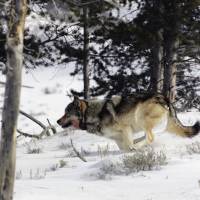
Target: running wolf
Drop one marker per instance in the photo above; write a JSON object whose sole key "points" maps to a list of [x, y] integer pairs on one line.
{"points": [[119, 118]]}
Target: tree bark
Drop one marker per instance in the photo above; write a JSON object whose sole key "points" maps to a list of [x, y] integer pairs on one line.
{"points": [[85, 52], [170, 38], [10, 112], [156, 85]]}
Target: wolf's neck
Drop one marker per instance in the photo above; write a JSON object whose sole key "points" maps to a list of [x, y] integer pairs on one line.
{"points": [[95, 107]]}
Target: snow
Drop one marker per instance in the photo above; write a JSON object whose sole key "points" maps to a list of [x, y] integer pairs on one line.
{"points": [[38, 176]]}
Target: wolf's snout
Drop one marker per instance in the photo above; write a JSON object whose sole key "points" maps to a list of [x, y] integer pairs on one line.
{"points": [[58, 122], [61, 120]]}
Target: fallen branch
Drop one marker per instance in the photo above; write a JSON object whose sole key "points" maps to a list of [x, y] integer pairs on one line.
{"points": [[33, 119], [44, 127], [27, 135], [44, 132], [78, 154]]}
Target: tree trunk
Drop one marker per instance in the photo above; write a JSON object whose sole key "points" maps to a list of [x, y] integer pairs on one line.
{"points": [[170, 39], [157, 66], [157, 51], [85, 52], [12, 97], [169, 87]]}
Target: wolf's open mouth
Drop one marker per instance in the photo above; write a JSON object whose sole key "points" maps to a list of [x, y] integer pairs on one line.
{"points": [[67, 125], [74, 123]]}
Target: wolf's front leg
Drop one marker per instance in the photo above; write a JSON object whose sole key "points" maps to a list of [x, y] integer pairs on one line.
{"points": [[127, 139]]}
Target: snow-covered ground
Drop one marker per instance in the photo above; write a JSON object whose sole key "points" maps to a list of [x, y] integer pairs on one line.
{"points": [[55, 173]]}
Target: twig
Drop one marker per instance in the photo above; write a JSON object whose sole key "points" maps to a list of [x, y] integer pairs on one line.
{"points": [[51, 127], [137, 140], [25, 86], [77, 152]]}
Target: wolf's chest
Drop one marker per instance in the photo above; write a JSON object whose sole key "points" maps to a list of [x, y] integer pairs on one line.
{"points": [[109, 132]]}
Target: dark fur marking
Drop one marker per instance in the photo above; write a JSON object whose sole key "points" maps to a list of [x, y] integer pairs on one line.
{"points": [[67, 125]]}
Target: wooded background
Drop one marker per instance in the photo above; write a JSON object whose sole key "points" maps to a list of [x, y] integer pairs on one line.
{"points": [[124, 46]]}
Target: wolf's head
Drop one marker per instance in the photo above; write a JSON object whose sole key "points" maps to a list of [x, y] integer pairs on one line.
{"points": [[74, 113]]}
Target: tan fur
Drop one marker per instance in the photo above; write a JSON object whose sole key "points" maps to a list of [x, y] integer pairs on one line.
{"points": [[179, 130]]}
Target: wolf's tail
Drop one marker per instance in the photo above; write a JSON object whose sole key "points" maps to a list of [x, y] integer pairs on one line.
{"points": [[175, 126]]}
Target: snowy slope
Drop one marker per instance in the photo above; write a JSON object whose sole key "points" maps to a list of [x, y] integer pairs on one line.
{"points": [[38, 176], [79, 180]]}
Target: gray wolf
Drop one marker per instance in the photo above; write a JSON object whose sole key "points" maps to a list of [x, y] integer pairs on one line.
{"points": [[119, 118]]}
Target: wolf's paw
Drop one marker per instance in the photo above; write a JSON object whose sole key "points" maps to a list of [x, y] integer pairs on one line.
{"points": [[132, 148]]}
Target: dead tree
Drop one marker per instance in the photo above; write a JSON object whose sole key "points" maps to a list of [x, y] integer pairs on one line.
{"points": [[10, 112]]}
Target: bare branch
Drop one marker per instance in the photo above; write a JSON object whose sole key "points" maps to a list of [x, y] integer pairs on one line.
{"points": [[77, 152], [51, 127], [44, 127], [33, 119], [25, 86]]}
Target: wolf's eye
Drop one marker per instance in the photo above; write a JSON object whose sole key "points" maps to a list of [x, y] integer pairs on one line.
{"points": [[73, 109]]}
